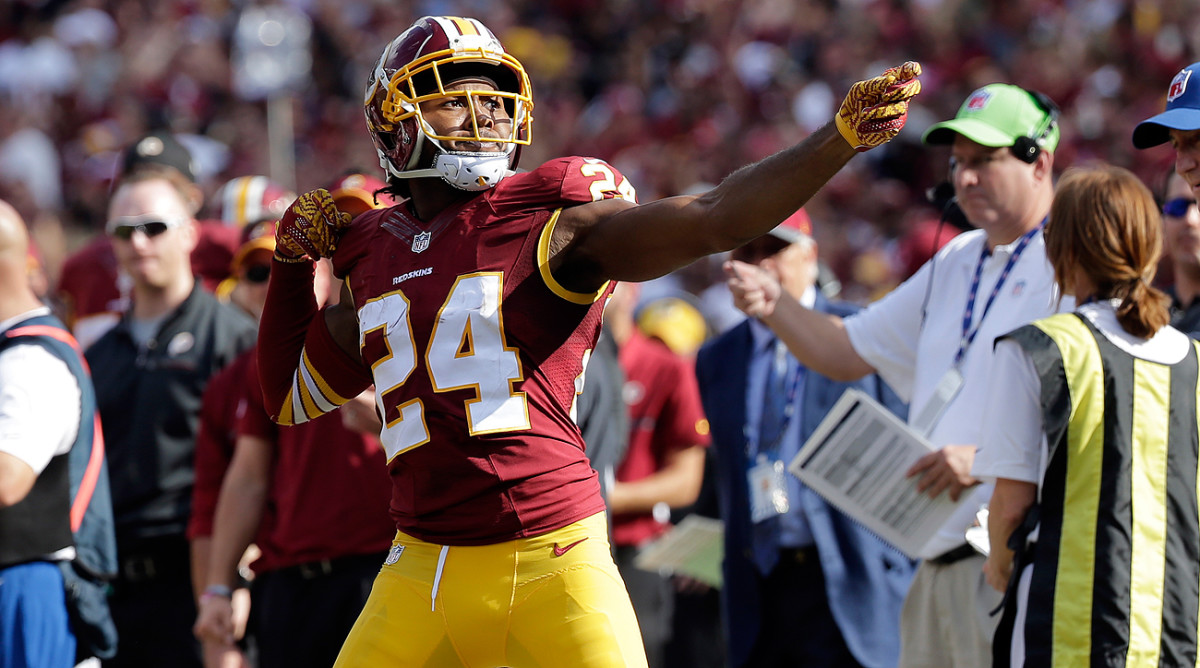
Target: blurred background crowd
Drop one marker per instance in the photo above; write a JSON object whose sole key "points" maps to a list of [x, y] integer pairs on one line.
{"points": [[675, 93]]}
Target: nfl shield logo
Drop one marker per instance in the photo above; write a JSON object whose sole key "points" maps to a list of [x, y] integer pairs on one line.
{"points": [[1178, 85], [978, 100], [421, 241], [394, 555]]}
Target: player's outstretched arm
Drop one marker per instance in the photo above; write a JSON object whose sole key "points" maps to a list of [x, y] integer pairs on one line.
{"points": [[610, 239]]}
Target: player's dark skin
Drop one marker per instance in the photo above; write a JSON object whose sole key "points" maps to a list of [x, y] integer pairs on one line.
{"points": [[615, 239]]}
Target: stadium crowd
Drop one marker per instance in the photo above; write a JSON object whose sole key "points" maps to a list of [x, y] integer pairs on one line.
{"points": [[673, 93]]}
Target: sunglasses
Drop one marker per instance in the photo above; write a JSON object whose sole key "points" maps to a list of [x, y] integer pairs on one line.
{"points": [[257, 273], [1178, 207], [149, 225]]}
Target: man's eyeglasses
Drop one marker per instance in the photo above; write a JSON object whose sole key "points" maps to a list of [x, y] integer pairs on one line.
{"points": [[257, 273], [1178, 207], [151, 226]]}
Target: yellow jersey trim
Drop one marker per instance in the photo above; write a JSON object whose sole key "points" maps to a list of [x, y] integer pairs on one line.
{"points": [[543, 262]]}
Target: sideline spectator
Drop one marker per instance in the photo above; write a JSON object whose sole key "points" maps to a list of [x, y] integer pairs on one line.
{"points": [[676, 322], [92, 286], [601, 413], [663, 465], [326, 491], [803, 584], [931, 340], [223, 404], [1180, 125], [47, 411], [150, 370], [1181, 233], [246, 287], [1089, 431]]}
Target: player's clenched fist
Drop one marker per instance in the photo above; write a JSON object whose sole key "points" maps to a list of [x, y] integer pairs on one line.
{"points": [[874, 110], [309, 228]]}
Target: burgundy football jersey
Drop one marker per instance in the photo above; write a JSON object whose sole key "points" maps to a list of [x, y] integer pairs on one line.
{"points": [[478, 355]]}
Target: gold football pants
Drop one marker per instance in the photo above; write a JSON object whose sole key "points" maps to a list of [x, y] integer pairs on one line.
{"points": [[550, 601]]}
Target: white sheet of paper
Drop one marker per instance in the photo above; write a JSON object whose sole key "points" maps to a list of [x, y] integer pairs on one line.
{"points": [[695, 547], [977, 536], [856, 460]]}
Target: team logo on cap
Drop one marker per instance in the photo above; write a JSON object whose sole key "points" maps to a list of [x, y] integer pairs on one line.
{"points": [[978, 100], [1178, 85]]}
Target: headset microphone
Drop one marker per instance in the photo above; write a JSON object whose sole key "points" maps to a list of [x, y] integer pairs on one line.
{"points": [[1028, 148], [942, 198]]}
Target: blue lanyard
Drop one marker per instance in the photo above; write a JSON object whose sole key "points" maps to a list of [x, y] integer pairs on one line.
{"points": [[789, 410], [968, 334]]}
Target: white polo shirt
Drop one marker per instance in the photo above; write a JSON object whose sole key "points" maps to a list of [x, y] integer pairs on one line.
{"points": [[912, 341], [39, 401]]}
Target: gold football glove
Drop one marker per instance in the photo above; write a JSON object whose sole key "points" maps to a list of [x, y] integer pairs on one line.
{"points": [[874, 110], [310, 227]]}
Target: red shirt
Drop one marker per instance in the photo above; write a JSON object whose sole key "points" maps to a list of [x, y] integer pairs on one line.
{"points": [[329, 489], [212, 258], [223, 405], [479, 356], [87, 286], [665, 417]]}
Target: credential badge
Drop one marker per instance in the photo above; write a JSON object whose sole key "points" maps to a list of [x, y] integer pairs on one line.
{"points": [[421, 241]]}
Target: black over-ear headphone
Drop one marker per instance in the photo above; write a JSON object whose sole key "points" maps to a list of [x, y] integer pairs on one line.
{"points": [[1028, 148]]}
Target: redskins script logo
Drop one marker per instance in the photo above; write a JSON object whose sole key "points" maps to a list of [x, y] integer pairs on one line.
{"points": [[421, 241]]}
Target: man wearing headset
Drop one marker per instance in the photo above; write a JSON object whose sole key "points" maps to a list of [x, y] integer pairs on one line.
{"points": [[931, 340]]}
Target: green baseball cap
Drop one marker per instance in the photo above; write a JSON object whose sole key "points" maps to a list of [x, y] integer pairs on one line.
{"points": [[997, 115]]}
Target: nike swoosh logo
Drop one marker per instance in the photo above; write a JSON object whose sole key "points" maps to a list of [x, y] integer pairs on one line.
{"points": [[560, 551]]}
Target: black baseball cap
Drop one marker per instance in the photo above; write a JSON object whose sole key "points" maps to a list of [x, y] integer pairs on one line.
{"points": [[158, 148]]}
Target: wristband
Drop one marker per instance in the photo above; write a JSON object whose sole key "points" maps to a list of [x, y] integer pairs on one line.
{"points": [[216, 591], [280, 257]]}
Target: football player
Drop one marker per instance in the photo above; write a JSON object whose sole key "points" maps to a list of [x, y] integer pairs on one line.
{"points": [[473, 305]]}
